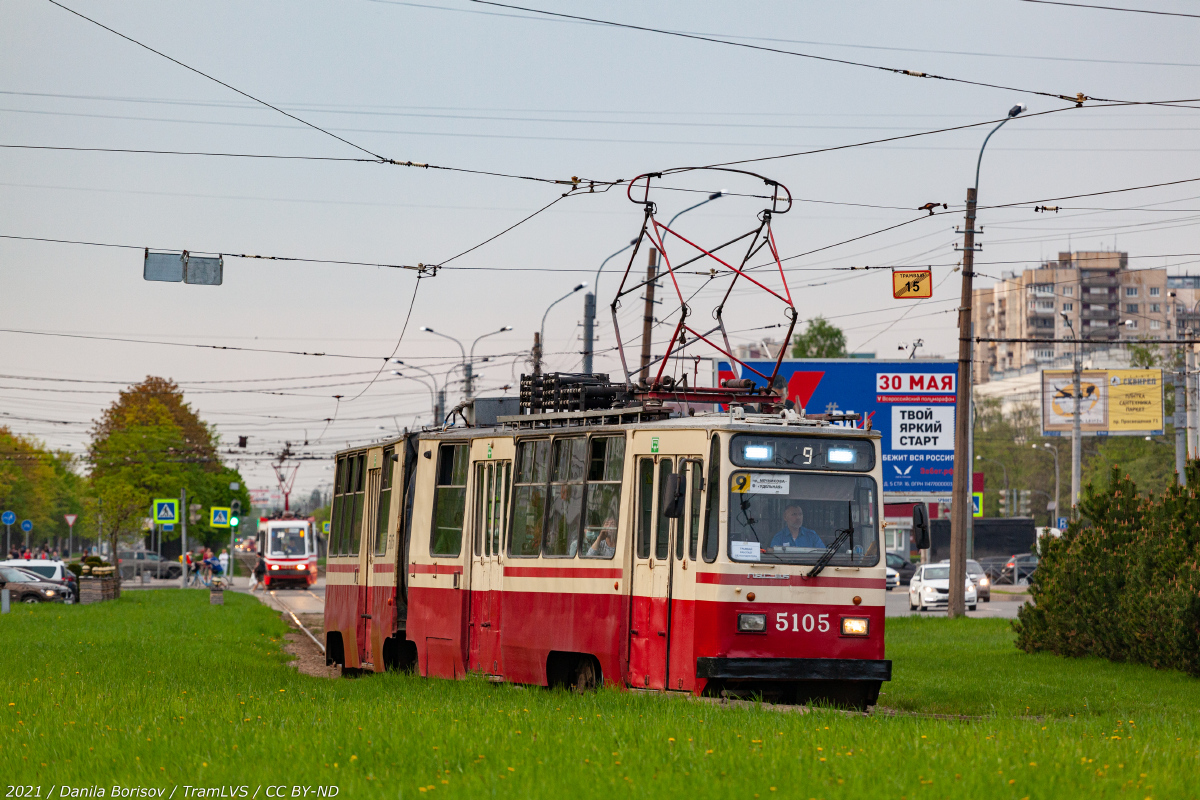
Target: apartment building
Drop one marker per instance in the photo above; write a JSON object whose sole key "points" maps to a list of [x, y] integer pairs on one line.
{"points": [[1091, 293]]}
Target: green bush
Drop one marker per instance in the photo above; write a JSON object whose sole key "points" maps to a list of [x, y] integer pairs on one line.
{"points": [[1123, 584]]}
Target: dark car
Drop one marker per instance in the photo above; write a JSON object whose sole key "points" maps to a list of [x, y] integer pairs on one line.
{"points": [[1018, 568], [25, 587], [134, 563], [903, 566]]}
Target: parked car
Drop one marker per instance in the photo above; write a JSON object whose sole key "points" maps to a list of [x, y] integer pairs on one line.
{"points": [[134, 563], [48, 570], [930, 587], [902, 565], [892, 579], [1018, 568], [978, 576], [26, 587]]}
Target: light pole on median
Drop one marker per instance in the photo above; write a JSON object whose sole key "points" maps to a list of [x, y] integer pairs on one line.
{"points": [[960, 508], [539, 345], [589, 313], [469, 367], [437, 392], [1076, 415], [1057, 495]]}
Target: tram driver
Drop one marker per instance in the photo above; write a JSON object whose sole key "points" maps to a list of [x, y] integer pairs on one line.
{"points": [[793, 533]]}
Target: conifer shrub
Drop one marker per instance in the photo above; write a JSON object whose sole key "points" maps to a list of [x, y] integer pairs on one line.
{"points": [[1123, 583]]}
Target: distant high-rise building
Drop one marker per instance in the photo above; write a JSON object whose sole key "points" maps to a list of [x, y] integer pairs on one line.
{"points": [[1104, 300]]}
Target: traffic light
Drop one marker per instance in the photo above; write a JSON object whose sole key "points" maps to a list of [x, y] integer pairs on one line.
{"points": [[1003, 502], [1025, 499], [235, 511]]}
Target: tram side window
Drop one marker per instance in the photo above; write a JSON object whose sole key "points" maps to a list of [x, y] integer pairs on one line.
{"points": [[335, 518], [662, 541], [605, 467], [352, 467], [449, 500], [385, 503], [529, 498], [565, 503], [490, 480], [696, 477], [645, 505], [359, 479], [712, 503]]}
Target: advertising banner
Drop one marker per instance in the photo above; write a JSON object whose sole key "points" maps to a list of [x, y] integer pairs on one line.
{"points": [[910, 403], [1113, 402]]}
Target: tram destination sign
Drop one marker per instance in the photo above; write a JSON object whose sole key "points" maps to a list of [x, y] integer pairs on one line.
{"points": [[910, 403]]}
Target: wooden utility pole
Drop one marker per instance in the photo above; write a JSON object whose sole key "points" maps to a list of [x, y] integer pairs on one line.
{"points": [[537, 353], [961, 502], [648, 317]]}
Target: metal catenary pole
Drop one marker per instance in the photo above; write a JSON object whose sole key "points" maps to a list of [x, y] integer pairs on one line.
{"points": [[1076, 420], [183, 546], [1180, 417], [1191, 398], [648, 315]]}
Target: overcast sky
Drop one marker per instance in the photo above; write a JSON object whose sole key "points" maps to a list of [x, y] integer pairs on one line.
{"points": [[467, 85]]}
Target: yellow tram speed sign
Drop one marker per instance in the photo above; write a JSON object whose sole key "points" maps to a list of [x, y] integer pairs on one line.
{"points": [[912, 284]]}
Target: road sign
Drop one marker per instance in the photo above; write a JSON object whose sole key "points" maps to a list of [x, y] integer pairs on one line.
{"points": [[70, 518], [325, 527], [8, 518], [1062, 523], [168, 527], [976, 504], [26, 525], [166, 511], [912, 284], [218, 517]]}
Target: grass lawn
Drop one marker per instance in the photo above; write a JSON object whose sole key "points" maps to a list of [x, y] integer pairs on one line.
{"points": [[160, 689]]}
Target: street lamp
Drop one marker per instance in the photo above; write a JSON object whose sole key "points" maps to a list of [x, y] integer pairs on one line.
{"points": [[1057, 497], [960, 521], [468, 368], [589, 312], [537, 356], [437, 394], [1007, 501]]}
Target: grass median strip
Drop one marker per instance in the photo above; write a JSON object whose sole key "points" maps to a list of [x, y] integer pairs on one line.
{"points": [[160, 689]]}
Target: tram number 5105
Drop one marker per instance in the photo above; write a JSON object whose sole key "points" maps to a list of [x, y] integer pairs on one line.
{"points": [[808, 622]]}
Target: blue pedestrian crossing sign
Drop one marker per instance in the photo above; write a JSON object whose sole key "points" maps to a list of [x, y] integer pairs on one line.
{"points": [[218, 517], [1062, 523], [26, 525], [166, 512], [976, 504], [9, 518], [325, 527]]}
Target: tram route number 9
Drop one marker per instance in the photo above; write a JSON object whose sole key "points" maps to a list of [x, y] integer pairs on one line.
{"points": [[807, 622]]}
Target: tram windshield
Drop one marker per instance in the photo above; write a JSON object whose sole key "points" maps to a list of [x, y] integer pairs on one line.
{"points": [[794, 518], [288, 542]]}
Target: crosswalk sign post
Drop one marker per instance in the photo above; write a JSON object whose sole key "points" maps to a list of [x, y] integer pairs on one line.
{"points": [[166, 512], [977, 504], [218, 517]]}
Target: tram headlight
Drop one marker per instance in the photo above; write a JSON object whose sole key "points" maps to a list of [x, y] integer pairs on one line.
{"points": [[301, 567], [856, 626], [752, 623], [274, 566]]}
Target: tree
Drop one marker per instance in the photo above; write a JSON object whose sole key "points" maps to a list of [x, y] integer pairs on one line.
{"points": [[39, 485], [122, 508], [819, 340], [151, 441]]}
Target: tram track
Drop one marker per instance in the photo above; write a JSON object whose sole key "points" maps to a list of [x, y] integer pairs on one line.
{"points": [[288, 610]]}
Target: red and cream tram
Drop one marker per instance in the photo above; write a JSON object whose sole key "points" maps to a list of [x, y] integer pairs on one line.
{"points": [[290, 551], [733, 552]]}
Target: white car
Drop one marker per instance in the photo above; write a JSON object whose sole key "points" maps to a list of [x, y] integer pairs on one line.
{"points": [[930, 588], [892, 580]]}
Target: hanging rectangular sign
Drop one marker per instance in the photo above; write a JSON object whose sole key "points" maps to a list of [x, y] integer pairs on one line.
{"points": [[912, 284]]}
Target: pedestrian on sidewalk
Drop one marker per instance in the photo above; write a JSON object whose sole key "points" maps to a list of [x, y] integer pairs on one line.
{"points": [[260, 572]]}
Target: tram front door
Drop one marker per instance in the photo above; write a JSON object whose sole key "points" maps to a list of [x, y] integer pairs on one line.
{"points": [[650, 600]]}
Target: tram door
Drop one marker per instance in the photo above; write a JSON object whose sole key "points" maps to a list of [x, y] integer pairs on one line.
{"points": [[366, 573], [489, 521], [649, 630]]}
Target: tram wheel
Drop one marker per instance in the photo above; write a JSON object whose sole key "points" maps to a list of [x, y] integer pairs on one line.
{"points": [[587, 675]]}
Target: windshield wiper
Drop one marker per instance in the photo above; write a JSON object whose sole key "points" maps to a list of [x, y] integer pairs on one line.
{"points": [[842, 537]]}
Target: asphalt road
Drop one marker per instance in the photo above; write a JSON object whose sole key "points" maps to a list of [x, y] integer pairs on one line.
{"points": [[1003, 606]]}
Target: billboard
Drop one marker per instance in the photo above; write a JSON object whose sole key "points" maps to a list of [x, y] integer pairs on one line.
{"points": [[910, 403], [1114, 402]]}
